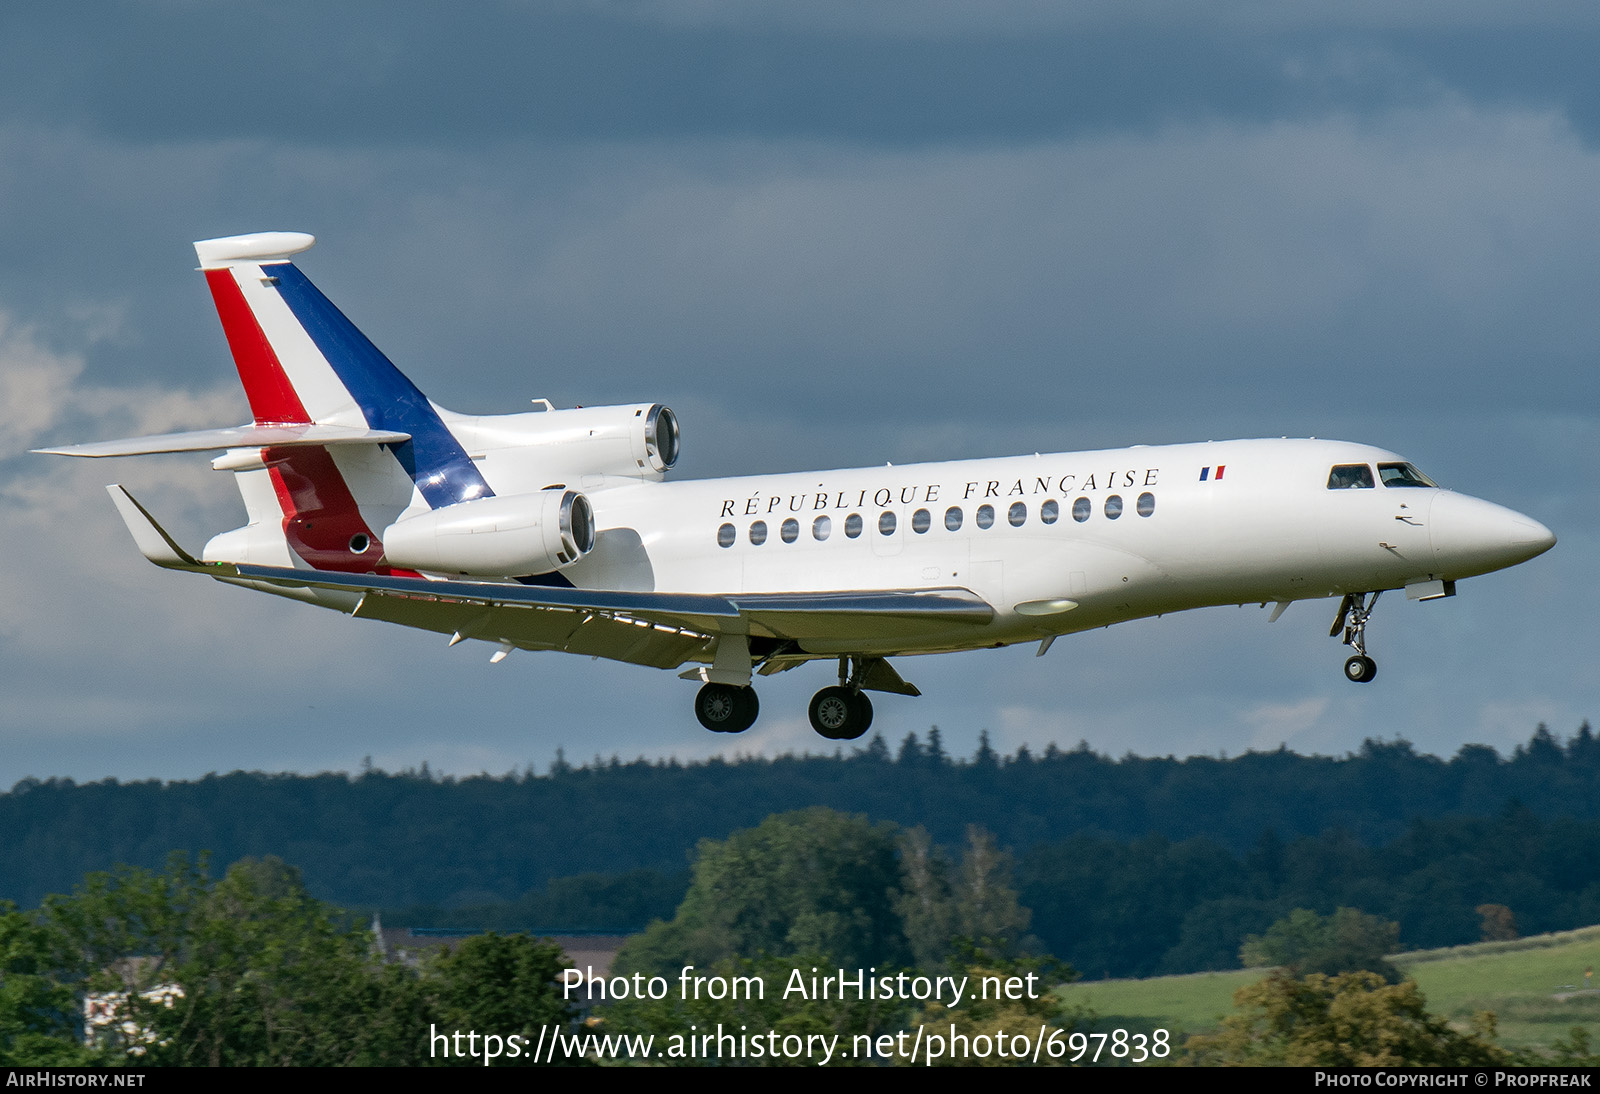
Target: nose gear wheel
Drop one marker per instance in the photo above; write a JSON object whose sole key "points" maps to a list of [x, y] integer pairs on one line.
{"points": [[1354, 611]]}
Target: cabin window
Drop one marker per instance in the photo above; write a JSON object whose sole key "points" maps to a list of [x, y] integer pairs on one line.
{"points": [[790, 531], [921, 521], [852, 525], [1050, 512], [1017, 514], [726, 535], [1403, 474], [1350, 476], [1114, 507], [758, 532], [1081, 510], [1146, 504], [887, 522], [952, 518], [985, 516], [821, 528]]}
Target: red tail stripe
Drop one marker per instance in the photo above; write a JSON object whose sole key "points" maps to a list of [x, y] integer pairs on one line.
{"points": [[272, 397], [320, 515]]}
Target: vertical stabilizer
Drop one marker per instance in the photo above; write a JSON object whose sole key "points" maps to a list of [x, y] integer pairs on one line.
{"points": [[285, 377], [302, 360]]}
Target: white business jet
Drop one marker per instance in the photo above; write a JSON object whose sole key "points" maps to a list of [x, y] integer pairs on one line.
{"points": [[554, 530]]}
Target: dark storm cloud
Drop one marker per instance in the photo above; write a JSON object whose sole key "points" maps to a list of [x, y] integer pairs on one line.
{"points": [[454, 75], [827, 233]]}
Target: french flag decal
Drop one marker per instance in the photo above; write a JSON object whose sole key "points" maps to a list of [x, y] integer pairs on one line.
{"points": [[1205, 473]]}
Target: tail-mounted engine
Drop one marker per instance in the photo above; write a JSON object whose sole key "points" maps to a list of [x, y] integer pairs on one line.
{"points": [[505, 536], [640, 441]]}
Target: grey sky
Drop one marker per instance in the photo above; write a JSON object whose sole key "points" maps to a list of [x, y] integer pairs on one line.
{"points": [[864, 233]]}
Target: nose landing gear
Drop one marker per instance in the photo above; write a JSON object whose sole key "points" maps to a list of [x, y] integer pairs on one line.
{"points": [[1354, 610]]}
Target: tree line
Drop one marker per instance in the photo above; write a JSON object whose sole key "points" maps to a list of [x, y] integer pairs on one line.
{"points": [[396, 839], [1130, 867]]}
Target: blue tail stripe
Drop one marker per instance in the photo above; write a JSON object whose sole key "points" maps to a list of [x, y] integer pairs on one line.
{"points": [[434, 459]]}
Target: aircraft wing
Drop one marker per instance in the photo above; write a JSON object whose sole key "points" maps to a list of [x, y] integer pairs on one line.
{"points": [[648, 628], [600, 622]]}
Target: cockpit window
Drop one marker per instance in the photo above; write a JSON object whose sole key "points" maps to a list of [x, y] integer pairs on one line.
{"points": [[1350, 476], [1403, 474]]}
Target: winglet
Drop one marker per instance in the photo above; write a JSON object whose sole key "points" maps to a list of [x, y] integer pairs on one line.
{"points": [[151, 538]]}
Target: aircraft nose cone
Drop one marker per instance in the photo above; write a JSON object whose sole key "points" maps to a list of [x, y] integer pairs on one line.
{"points": [[1529, 533], [1472, 536]]}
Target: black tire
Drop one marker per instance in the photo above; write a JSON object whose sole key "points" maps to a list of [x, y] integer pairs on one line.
{"points": [[835, 712], [749, 709], [1360, 669], [724, 708], [863, 718]]}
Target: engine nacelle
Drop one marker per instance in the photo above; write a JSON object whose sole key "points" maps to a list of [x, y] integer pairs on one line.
{"points": [[504, 536], [640, 441]]}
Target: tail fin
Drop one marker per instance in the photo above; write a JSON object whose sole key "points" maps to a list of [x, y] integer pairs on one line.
{"points": [[301, 360], [285, 378]]}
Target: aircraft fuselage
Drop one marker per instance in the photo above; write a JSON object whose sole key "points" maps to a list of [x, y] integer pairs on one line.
{"points": [[1061, 542]]}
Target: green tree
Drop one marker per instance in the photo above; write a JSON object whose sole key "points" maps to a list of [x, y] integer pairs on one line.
{"points": [[927, 911], [1003, 996], [986, 905], [1351, 1020], [39, 1005], [1497, 922], [758, 995], [1304, 942], [500, 984], [250, 970], [975, 900], [247, 970], [813, 881]]}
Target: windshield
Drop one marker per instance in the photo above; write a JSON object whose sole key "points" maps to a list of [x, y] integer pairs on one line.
{"points": [[1403, 474], [1350, 476]]}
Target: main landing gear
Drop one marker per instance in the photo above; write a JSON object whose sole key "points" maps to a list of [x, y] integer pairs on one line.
{"points": [[839, 713], [726, 708], [843, 713], [1354, 611]]}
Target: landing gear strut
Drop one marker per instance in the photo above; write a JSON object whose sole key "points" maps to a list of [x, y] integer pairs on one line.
{"points": [[843, 713], [1354, 610], [725, 708]]}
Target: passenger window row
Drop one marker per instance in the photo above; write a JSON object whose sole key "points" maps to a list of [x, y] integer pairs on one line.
{"points": [[922, 519]]}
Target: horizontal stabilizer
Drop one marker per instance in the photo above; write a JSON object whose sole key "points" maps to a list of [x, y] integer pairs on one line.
{"points": [[244, 436], [256, 247], [151, 538]]}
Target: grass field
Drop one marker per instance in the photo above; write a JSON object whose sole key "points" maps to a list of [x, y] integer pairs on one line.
{"points": [[1533, 985]]}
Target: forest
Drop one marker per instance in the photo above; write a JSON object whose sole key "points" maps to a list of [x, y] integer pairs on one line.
{"points": [[1129, 866], [146, 969]]}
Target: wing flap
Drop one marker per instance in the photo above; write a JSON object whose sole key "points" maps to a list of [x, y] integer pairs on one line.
{"points": [[607, 623], [877, 614], [696, 611], [633, 641]]}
